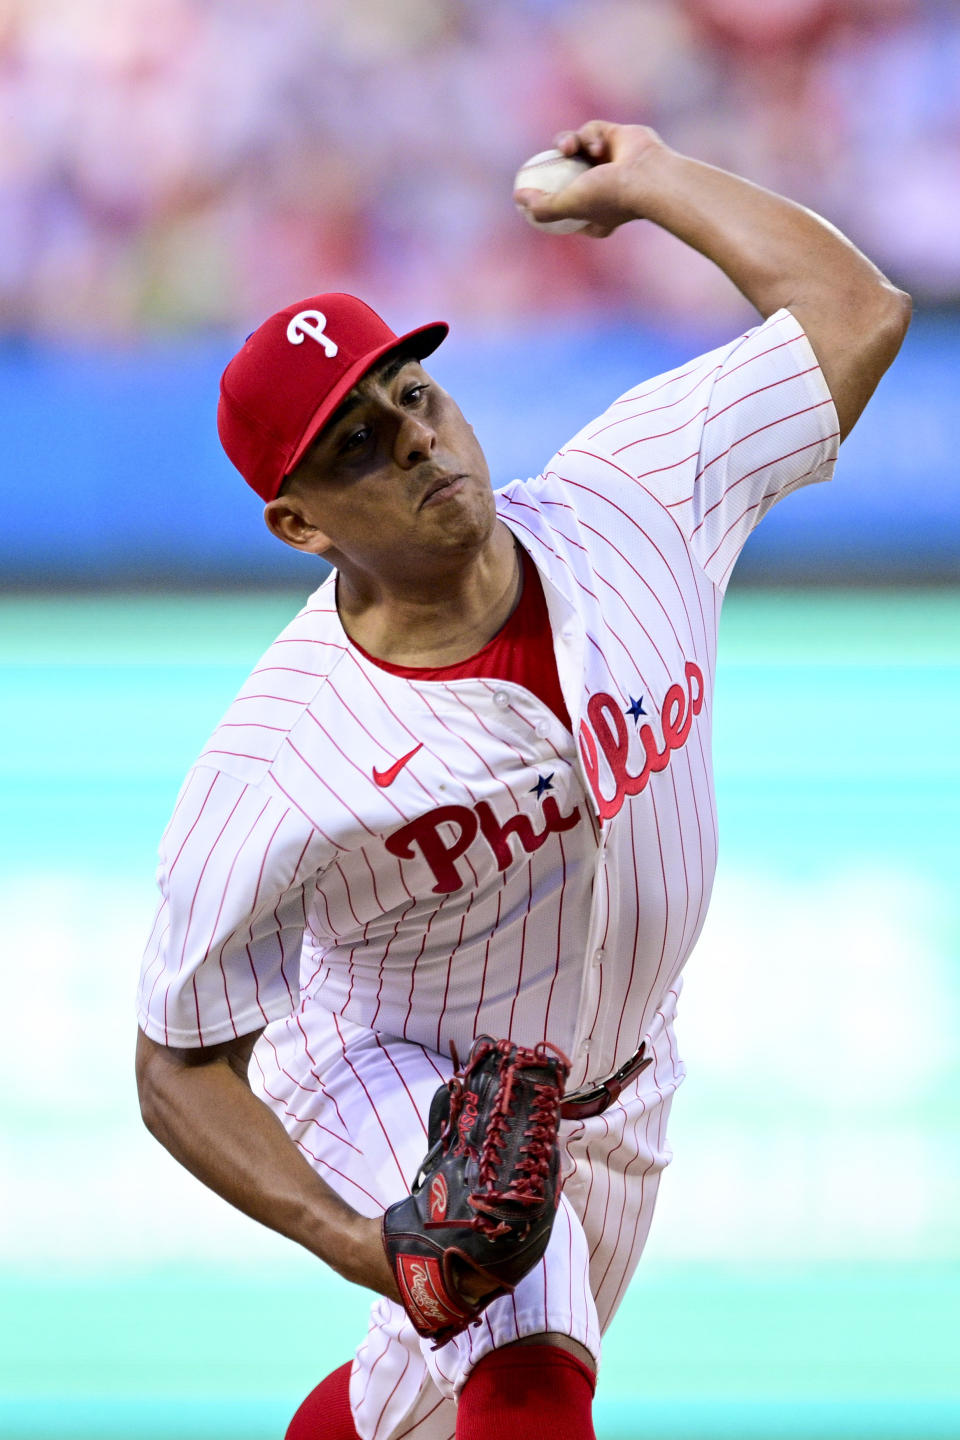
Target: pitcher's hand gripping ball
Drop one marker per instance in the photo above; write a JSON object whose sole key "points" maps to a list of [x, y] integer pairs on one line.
{"points": [[485, 1197], [551, 171]]}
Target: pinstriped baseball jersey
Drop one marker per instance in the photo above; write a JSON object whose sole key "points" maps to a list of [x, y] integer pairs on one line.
{"points": [[384, 866], [432, 860]]}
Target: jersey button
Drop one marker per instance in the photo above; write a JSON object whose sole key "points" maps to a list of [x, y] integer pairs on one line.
{"points": [[599, 956], [543, 729], [502, 699]]}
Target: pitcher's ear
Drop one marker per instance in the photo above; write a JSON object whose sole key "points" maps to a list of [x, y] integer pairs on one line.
{"points": [[286, 519]]}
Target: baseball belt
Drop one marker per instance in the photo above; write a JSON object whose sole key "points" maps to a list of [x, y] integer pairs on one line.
{"points": [[583, 1104]]}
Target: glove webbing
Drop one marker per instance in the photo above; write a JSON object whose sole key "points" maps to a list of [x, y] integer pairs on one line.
{"points": [[532, 1166]]}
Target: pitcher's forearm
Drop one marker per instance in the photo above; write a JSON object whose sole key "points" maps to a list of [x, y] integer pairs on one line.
{"points": [[209, 1119], [775, 251]]}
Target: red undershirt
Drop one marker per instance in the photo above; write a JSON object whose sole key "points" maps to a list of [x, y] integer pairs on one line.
{"points": [[521, 651]]}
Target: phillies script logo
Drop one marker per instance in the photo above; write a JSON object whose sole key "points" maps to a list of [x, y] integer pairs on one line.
{"points": [[607, 729], [605, 732], [425, 832]]}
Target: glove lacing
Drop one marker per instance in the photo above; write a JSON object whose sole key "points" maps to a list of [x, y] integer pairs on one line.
{"points": [[532, 1167]]}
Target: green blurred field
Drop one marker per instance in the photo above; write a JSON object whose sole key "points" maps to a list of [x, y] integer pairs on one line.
{"points": [[698, 1353], [811, 1293]]}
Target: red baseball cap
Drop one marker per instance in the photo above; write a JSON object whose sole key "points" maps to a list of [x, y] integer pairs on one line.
{"points": [[291, 374]]}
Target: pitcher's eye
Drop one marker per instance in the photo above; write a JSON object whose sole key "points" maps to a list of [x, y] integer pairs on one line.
{"points": [[353, 440]]}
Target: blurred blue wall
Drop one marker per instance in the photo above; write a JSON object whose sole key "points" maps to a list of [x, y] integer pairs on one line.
{"points": [[113, 473]]}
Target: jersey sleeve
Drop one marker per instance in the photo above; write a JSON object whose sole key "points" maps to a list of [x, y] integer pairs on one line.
{"points": [[721, 440], [223, 956]]}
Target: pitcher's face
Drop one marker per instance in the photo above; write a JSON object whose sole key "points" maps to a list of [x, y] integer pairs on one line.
{"points": [[396, 479]]}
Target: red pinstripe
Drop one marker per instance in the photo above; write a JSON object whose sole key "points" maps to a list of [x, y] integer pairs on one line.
{"points": [[766, 465], [559, 947], [371, 1371], [518, 987], [674, 1057], [639, 1217], [741, 440], [603, 537], [332, 930], [249, 725], [283, 953], [443, 1372], [383, 958], [363, 670], [186, 933], [651, 410], [660, 434], [458, 739], [648, 388], [369, 1098], [683, 858], [216, 922], [644, 474], [446, 984], [694, 573], [491, 687], [277, 699], [654, 987], [328, 1095], [759, 390], [399, 1074], [297, 806], [386, 1402], [339, 798], [680, 592], [486, 958], [770, 495], [405, 1434], [288, 670], [703, 872], [294, 1115], [236, 754], [367, 774], [309, 639], [603, 943], [729, 370], [203, 806], [608, 1156], [413, 967], [644, 1173], [455, 695], [159, 974]]}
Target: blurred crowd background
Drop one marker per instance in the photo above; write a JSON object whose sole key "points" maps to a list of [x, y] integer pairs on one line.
{"points": [[181, 164]]}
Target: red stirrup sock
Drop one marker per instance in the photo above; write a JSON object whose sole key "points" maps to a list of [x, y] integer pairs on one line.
{"points": [[326, 1413], [527, 1392]]}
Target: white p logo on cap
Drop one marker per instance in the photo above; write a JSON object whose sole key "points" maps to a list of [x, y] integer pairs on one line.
{"points": [[312, 323]]}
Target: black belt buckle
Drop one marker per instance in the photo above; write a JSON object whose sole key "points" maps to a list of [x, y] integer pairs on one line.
{"points": [[584, 1104]]}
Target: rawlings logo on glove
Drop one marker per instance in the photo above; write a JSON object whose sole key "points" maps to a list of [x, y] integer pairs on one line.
{"points": [[482, 1206]]}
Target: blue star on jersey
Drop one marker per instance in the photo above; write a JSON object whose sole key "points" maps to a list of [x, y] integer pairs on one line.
{"points": [[544, 783], [635, 709]]}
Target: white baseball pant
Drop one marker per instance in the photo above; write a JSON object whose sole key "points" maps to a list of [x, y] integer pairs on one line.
{"points": [[356, 1103]]}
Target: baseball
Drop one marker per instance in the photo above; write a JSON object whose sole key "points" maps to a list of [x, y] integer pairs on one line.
{"points": [[551, 171]]}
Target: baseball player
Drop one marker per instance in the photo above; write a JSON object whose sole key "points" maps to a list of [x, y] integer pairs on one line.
{"points": [[468, 789]]}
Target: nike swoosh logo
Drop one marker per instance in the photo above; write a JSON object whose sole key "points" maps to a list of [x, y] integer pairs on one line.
{"points": [[383, 778]]}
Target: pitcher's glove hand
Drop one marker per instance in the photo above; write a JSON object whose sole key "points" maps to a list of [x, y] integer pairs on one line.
{"points": [[484, 1200]]}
